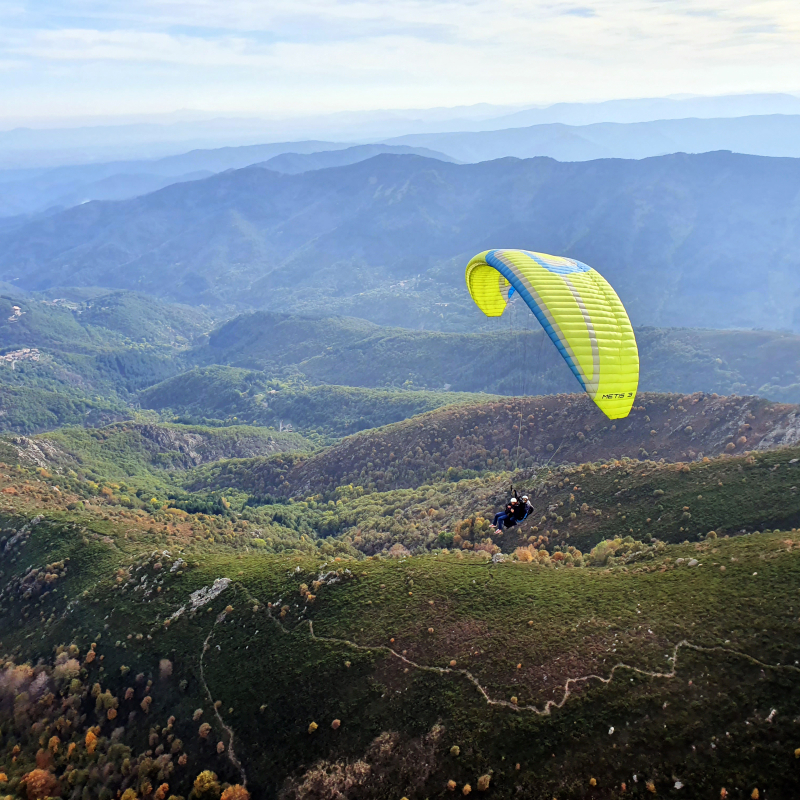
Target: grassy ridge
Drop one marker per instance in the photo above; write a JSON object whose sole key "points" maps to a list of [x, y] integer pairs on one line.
{"points": [[272, 679]]}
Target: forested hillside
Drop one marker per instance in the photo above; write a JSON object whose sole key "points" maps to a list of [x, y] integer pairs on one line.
{"points": [[464, 440], [122, 355], [515, 358]]}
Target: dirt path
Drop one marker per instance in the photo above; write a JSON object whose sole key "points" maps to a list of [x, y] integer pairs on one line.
{"points": [[231, 752], [541, 711], [570, 682]]}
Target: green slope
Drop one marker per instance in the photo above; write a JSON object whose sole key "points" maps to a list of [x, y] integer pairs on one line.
{"points": [[438, 668], [148, 456], [228, 395], [68, 362]]}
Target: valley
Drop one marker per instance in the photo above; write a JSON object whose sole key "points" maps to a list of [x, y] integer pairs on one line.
{"points": [[253, 579]]}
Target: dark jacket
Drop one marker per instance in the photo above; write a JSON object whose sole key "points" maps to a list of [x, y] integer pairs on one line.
{"points": [[528, 508], [520, 509]]}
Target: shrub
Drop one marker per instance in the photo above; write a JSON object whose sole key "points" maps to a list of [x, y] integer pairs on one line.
{"points": [[603, 551], [445, 539], [41, 783], [235, 792], [206, 786]]}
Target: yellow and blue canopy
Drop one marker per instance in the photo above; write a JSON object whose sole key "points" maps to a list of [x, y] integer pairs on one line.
{"points": [[579, 311]]}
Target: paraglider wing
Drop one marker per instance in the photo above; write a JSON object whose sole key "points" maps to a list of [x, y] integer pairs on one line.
{"points": [[579, 311]]}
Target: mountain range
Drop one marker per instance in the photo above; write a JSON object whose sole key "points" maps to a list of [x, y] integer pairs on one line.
{"points": [[82, 141], [30, 191], [705, 240]]}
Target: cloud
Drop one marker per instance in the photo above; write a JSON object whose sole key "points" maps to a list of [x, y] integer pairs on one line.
{"points": [[82, 45], [364, 53], [579, 11]]}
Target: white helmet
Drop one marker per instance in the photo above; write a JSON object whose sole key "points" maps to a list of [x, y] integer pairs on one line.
{"points": [[524, 497], [513, 499]]}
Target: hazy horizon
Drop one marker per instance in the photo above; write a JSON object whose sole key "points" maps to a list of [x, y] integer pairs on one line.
{"points": [[319, 57], [474, 111]]}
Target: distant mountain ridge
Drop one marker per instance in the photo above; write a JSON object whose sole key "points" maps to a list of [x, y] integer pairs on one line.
{"points": [[27, 191], [708, 240], [567, 132], [649, 110], [34, 191], [765, 135], [295, 163]]}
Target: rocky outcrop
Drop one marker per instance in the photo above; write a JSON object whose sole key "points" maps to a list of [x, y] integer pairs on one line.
{"points": [[191, 448], [38, 452]]}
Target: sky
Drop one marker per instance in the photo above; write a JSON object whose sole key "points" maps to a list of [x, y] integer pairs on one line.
{"points": [[278, 58]]}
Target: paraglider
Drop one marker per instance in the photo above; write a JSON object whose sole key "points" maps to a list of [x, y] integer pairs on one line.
{"points": [[578, 310]]}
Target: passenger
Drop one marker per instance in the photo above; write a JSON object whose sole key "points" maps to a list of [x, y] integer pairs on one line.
{"points": [[503, 518], [528, 506], [525, 507]]}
